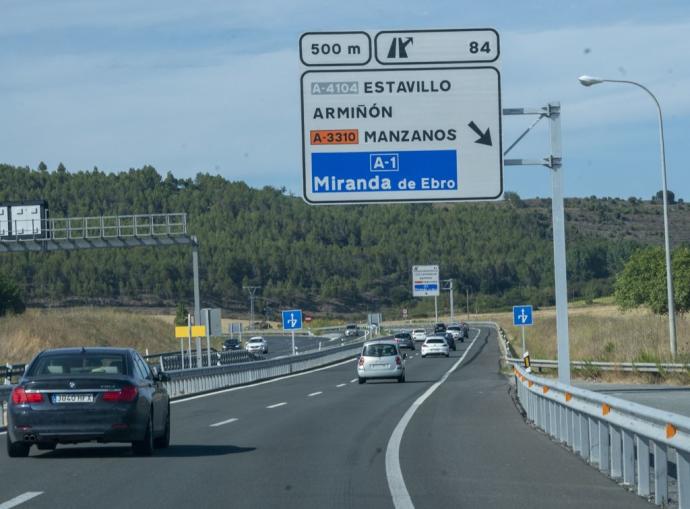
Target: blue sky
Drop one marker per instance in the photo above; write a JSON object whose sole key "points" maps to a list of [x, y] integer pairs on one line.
{"points": [[213, 86]]}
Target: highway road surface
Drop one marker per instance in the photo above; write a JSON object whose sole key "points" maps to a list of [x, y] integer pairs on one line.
{"points": [[442, 439]]}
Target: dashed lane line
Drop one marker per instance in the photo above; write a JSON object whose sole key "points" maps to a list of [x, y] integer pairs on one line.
{"points": [[314, 394], [341, 385], [24, 497], [276, 405], [221, 423], [353, 380]]}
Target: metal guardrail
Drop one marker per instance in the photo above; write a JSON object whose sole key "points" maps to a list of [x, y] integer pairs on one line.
{"points": [[643, 367], [200, 380], [615, 435]]}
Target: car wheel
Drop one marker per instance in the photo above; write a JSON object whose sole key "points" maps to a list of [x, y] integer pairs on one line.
{"points": [[361, 380], [144, 447], [401, 379], [46, 446], [163, 441], [17, 449], [423, 356], [448, 355]]}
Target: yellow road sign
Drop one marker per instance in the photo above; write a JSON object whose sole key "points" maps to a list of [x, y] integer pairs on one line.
{"points": [[198, 331]]}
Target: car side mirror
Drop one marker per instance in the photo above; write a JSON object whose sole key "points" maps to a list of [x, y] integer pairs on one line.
{"points": [[162, 376]]}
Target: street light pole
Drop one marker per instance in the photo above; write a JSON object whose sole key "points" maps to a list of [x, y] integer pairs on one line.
{"points": [[589, 81]]}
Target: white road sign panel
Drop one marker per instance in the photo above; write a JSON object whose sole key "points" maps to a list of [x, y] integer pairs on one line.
{"points": [[334, 48], [437, 46], [425, 281], [417, 134]]}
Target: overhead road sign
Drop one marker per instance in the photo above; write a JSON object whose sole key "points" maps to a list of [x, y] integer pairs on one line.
{"points": [[522, 315], [417, 133], [453, 46], [425, 281], [195, 331], [292, 319], [334, 48]]}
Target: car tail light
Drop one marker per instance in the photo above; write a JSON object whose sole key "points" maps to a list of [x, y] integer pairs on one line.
{"points": [[398, 361], [361, 362], [21, 397], [127, 393]]}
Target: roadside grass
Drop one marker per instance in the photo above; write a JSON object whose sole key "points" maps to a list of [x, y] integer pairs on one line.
{"points": [[605, 333], [23, 336]]}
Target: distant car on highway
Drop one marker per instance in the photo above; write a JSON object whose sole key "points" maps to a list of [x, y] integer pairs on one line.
{"points": [[257, 344], [440, 327], [381, 359], [435, 345], [448, 336], [458, 332], [419, 334], [71, 395], [231, 344], [351, 330], [404, 340]]}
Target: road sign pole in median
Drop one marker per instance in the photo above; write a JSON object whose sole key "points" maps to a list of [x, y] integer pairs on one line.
{"points": [[292, 321], [522, 317]]}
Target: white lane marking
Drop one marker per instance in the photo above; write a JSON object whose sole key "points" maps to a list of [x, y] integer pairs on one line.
{"points": [[341, 385], [277, 405], [353, 380], [231, 389], [314, 394], [396, 483], [24, 497], [3, 432], [215, 425]]}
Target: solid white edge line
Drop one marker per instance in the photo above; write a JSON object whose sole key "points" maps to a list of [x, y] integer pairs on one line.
{"points": [[396, 482], [314, 394], [231, 389], [341, 385], [277, 405], [221, 423], [24, 497]]}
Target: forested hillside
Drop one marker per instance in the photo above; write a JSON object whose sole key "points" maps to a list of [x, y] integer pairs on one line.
{"points": [[342, 258]]}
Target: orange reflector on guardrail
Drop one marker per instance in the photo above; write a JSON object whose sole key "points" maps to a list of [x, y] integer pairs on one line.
{"points": [[568, 396], [545, 389], [671, 431], [530, 383], [605, 409]]}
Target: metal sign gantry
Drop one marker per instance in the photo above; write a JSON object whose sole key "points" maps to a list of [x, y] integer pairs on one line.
{"points": [[102, 232]]}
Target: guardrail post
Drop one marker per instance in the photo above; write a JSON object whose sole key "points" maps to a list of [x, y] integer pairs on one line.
{"points": [[564, 424], [593, 440], [604, 442], [577, 439], [642, 466], [585, 448], [660, 474], [683, 476], [616, 453], [628, 458]]}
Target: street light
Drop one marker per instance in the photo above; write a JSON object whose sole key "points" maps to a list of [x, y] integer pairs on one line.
{"points": [[588, 81]]}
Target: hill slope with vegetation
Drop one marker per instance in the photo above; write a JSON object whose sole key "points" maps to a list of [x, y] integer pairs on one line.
{"points": [[341, 258]]}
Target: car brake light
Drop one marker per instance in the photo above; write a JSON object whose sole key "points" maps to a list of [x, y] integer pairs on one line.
{"points": [[21, 397], [397, 360], [127, 393], [361, 362]]}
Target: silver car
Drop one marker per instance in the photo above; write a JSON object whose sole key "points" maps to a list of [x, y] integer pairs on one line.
{"points": [[257, 344], [381, 359]]}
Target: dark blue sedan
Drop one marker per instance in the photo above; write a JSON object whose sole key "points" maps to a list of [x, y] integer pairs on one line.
{"points": [[72, 395]]}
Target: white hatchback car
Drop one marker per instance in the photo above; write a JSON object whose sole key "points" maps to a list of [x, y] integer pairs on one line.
{"points": [[435, 345], [419, 334], [257, 344], [381, 359]]}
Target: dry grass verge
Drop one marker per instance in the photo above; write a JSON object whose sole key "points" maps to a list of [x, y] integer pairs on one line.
{"points": [[22, 336]]}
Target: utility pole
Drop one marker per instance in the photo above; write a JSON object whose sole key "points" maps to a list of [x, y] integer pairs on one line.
{"points": [[252, 293], [450, 292]]}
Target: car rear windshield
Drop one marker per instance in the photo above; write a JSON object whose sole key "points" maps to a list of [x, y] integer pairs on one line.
{"points": [[379, 351], [453, 327], [79, 364], [402, 336], [435, 341]]}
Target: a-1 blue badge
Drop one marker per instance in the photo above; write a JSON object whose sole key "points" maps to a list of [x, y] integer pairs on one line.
{"points": [[522, 315], [292, 319]]}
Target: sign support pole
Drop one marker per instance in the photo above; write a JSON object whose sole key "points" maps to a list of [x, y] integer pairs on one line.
{"points": [[293, 342], [523, 339], [208, 337], [552, 111], [436, 308]]}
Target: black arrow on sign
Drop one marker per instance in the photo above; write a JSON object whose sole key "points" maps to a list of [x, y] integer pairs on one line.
{"points": [[484, 138]]}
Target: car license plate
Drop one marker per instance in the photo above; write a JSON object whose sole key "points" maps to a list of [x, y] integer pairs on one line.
{"points": [[379, 366], [73, 398]]}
